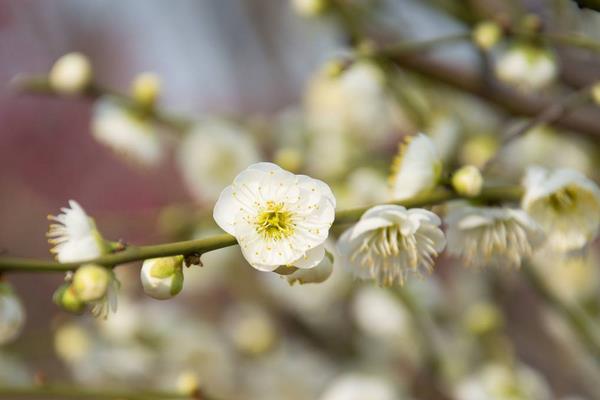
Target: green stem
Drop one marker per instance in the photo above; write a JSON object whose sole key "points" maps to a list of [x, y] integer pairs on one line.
{"points": [[68, 392], [201, 246], [575, 317], [411, 47]]}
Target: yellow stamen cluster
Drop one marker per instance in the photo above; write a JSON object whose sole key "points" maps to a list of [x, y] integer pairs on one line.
{"points": [[275, 222]]}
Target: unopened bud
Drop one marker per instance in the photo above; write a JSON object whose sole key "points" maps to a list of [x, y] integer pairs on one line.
{"points": [[187, 383], [309, 8], [467, 181], [482, 318], [70, 74], [90, 282], [145, 89], [12, 314], [487, 34], [596, 93], [66, 298], [288, 158], [162, 278]]}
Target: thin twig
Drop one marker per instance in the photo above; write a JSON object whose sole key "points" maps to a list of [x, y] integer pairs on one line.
{"points": [[41, 85], [576, 318], [71, 392], [201, 246]]}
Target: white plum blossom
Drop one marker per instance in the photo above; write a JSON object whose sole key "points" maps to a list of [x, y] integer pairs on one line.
{"points": [[416, 169], [12, 314], [212, 154], [493, 236], [565, 204], [278, 218], [75, 235], [527, 67], [127, 133], [356, 386], [162, 278], [389, 242]]}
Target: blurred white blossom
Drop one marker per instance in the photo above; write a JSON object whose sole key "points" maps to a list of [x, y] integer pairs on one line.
{"points": [[500, 382], [211, 155], [355, 386], [75, 235], [495, 236], [389, 242], [566, 204], [277, 217], [128, 133], [527, 67], [417, 168], [12, 314]]}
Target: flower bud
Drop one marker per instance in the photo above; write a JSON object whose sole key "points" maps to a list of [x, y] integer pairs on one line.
{"points": [[12, 314], [318, 274], [288, 158], [467, 181], [90, 282], [482, 318], [65, 298], [596, 93], [145, 89], [162, 278], [309, 8], [479, 149], [70, 74], [486, 34], [187, 383]]}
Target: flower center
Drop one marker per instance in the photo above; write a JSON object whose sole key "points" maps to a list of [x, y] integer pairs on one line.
{"points": [[563, 200], [274, 222]]}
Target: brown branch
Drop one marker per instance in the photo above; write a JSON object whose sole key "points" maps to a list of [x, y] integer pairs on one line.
{"points": [[584, 121]]}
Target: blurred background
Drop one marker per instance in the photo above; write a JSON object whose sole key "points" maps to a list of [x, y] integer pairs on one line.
{"points": [[258, 74]]}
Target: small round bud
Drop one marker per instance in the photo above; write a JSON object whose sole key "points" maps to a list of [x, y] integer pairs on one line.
{"points": [[288, 158], [487, 34], [596, 93], [309, 8], [482, 318], [527, 67], [145, 88], [66, 298], [467, 181], [479, 149], [162, 278], [70, 74], [12, 314], [90, 282], [187, 383]]}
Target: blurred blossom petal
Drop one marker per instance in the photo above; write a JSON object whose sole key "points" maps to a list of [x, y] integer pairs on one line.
{"points": [[495, 236], [211, 155], [566, 204], [417, 168], [131, 135]]}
